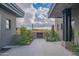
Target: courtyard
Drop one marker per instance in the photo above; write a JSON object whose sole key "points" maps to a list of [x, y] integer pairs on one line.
{"points": [[39, 47], [39, 30]]}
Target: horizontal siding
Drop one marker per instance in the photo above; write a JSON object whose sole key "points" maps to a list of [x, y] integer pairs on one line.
{"points": [[7, 35]]}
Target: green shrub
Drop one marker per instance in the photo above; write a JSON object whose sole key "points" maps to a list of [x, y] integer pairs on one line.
{"points": [[75, 48], [25, 36], [52, 36]]}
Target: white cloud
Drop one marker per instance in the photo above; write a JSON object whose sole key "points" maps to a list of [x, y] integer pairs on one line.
{"points": [[24, 6], [19, 22], [30, 18], [42, 13], [43, 10], [29, 12]]}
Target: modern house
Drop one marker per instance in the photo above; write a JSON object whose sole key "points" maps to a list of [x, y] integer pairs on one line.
{"points": [[40, 33], [8, 14], [70, 14]]}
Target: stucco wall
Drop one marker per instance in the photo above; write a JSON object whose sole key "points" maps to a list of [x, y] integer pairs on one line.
{"points": [[7, 35], [75, 17], [59, 21]]}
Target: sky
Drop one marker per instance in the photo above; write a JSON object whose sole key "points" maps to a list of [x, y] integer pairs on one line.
{"points": [[42, 5], [36, 14]]}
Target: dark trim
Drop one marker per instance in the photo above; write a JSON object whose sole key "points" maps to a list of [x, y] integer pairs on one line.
{"points": [[54, 17], [12, 8], [53, 5], [67, 24], [9, 20]]}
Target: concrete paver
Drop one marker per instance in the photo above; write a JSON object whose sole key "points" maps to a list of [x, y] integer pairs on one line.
{"points": [[39, 47]]}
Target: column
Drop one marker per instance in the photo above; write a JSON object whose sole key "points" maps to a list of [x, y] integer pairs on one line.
{"points": [[67, 30]]}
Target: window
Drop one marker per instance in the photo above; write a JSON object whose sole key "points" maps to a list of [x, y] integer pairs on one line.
{"points": [[58, 27], [8, 24], [61, 26], [39, 35], [53, 27]]}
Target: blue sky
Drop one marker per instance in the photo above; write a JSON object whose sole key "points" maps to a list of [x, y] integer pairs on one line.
{"points": [[43, 5]]}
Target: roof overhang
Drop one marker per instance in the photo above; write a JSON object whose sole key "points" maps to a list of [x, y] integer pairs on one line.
{"points": [[57, 11], [13, 8]]}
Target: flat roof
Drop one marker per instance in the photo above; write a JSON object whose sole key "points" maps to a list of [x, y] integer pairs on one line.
{"points": [[13, 8], [57, 10]]}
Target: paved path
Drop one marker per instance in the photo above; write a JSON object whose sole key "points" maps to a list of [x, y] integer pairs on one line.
{"points": [[39, 47]]}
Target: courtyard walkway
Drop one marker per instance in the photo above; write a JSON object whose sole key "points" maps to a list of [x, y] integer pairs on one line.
{"points": [[39, 47]]}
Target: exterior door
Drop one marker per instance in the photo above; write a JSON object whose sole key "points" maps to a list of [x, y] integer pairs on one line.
{"points": [[39, 35]]}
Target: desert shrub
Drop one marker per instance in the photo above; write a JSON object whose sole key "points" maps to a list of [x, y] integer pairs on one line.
{"points": [[25, 36], [52, 36]]}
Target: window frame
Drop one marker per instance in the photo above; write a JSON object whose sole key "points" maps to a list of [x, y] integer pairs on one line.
{"points": [[61, 26], [58, 27], [8, 24]]}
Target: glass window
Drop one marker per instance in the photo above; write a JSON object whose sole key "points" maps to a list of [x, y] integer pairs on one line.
{"points": [[58, 27], [8, 24], [52, 26], [61, 26]]}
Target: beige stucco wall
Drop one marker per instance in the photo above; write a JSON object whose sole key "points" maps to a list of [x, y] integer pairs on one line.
{"points": [[75, 17], [59, 21]]}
